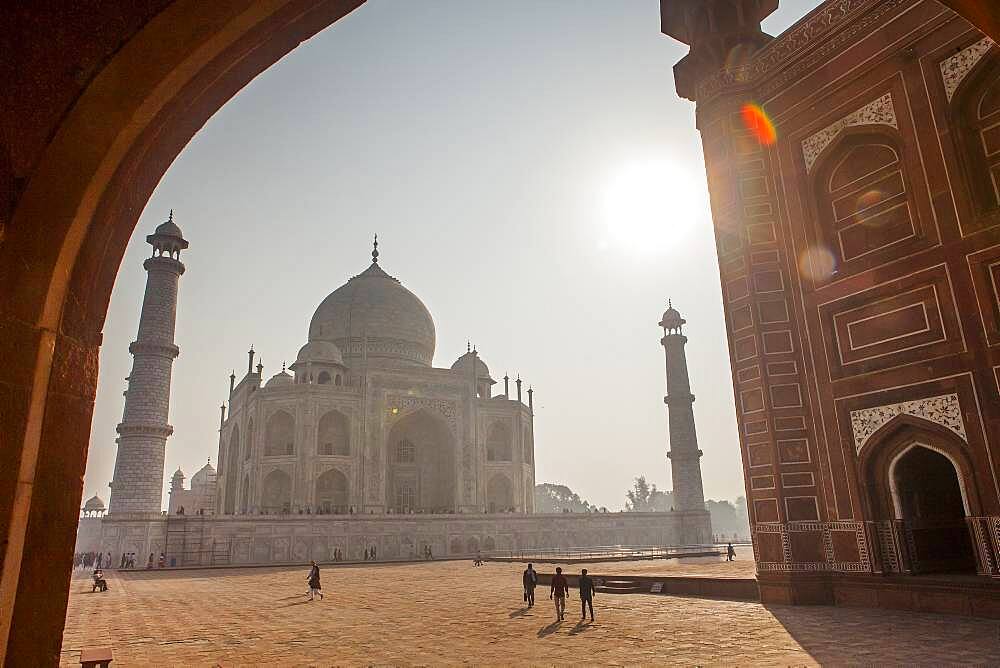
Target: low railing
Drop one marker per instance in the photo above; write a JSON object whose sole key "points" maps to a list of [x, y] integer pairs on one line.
{"points": [[605, 552]]}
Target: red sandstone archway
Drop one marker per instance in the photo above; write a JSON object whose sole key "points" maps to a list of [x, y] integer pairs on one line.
{"points": [[97, 115], [918, 476]]}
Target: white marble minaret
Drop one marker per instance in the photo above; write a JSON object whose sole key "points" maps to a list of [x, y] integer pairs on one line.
{"points": [[685, 457], [137, 486]]}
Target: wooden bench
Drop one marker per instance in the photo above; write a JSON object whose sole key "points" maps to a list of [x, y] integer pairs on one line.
{"points": [[92, 657]]}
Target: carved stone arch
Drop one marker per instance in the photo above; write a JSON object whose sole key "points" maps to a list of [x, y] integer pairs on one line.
{"points": [[863, 195], [232, 472], [896, 438], [499, 441], [333, 489], [975, 116], [877, 115], [249, 440], [279, 433], [403, 407], [333, 434]]}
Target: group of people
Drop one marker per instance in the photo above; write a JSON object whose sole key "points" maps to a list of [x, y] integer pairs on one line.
{"points": [[90, 560], [371, 553], [559, 591]]}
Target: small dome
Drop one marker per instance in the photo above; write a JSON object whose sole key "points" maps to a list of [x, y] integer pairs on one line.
{"points": [[177, 474], [206, 476], [322, 352], [279, 379], [94, 503], [671, 318], [465, 362], [169, 229]]}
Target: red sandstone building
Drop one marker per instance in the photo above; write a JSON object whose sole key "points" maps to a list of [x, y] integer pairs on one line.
{"points": [[860, 262]]}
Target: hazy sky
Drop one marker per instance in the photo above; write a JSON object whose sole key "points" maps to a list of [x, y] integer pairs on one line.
{"points": [[533, 178]]}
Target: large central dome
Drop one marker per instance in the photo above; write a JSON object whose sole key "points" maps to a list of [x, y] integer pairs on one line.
{"points": [[374, 318]]}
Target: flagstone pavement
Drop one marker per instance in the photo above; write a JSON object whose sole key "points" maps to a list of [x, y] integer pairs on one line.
{"points": [[451, 612]]}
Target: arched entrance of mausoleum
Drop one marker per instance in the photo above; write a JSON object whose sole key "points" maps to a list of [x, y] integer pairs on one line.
{"points": [[422, 462], [920, 488]]}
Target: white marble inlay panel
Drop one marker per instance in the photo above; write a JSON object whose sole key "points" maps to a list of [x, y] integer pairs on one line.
{"points": [[877, 112], [944, 410], [955, 68]]}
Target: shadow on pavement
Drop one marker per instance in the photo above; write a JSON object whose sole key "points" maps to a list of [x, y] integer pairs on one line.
{"points": [[549, 630]]}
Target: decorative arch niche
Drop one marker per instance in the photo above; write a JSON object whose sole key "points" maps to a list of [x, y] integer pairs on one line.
{"points": [[863, 198], [975, 114], [232, 472], [280, 435], [333, 434], [498, 443]]}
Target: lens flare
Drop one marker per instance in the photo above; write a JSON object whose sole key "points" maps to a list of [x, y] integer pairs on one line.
{"points": [[756, 121], [817, 263]]}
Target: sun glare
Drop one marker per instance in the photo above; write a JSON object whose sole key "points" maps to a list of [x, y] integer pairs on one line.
{"points": [[652, 204]]}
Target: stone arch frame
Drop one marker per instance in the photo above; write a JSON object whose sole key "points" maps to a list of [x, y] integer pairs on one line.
{"points": [[245, 496], [505, 443], [232, 472], [985, 197], [248, 441], [391, 465], [269, 502], [89, 184], [499, 505], [337, 415], [276, 444], [886, 446], [831, 158], [344, 502], [324, 378]]}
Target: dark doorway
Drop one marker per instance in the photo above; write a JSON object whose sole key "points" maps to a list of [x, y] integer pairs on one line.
{"points": [[929, 501]]}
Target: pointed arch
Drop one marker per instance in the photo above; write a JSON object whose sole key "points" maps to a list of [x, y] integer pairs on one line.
{"points": [[499, 494], [863, 196], [975, 113], [248, 447], [332, 492], [498, 443], [279, 434], [276, 493], [333, 434], [232, 472]]}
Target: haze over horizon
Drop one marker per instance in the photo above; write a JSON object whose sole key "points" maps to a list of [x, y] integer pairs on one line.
{"points": [[533, 178]]}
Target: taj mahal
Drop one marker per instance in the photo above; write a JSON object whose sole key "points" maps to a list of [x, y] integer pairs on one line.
{"points": [[364, 423], [360, 442]]}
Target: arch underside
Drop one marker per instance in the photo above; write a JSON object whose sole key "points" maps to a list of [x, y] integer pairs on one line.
{"points": [[422, 468]]}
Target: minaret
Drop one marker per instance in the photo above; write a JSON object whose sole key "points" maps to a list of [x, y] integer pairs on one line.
{"points": [[138, 481], [685, 465]]}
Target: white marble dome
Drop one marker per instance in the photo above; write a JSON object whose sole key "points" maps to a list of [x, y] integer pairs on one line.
{"points": [[464, 363], [94, 503], [279, 379], [205, 476], [320, 352], [373, 316]]}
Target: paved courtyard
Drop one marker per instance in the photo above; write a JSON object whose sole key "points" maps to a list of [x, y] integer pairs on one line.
{"points": [[449, 612]]}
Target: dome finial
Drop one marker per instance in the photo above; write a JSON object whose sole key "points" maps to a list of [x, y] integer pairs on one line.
{"points": [[468, 346], [670, 303], [375, 251], [170, 219], [282, 367]]}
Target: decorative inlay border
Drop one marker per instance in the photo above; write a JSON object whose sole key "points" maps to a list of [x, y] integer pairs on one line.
{"points": [[853, 18], [877, 112], [944, 410], [955, 68], [403, 406]]}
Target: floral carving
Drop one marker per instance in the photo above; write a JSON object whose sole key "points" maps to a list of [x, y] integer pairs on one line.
{"points": [[878, 112], [955, 68], [402, 406], [944, 410]]}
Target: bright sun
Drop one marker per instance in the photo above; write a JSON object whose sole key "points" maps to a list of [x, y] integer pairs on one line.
{"points": [[650, 205]]}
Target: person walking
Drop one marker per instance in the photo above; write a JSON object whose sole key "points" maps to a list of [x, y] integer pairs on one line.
{"points": [[587, 590], [529, 579], [730, 552], [122, 564], [313, 580], [366, 554], [558, 592]]}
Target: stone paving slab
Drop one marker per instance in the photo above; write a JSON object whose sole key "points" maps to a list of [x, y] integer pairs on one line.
{"points": [[445, 613]]}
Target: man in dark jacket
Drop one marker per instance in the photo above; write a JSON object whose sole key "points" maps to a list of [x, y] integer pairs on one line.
{"points": [[529, 579], [559, 592], [587, 590]]}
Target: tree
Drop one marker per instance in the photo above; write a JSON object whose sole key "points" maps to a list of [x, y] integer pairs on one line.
{"points": [[729, 518], [553, 498], [644, 497]]}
